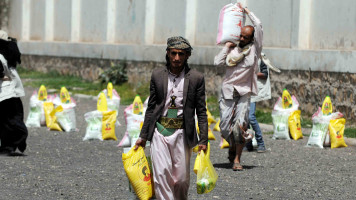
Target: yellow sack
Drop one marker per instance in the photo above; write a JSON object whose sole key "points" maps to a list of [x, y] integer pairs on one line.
{"points": [[336, 128], [138, 172], [224, 144], [210, 135], [197, 160], [51, 119], [108, 127], [206, 175], [295, 128], [217, 126]]}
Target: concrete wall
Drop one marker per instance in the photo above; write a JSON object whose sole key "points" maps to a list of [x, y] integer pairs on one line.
{"points": [[311, 36]]}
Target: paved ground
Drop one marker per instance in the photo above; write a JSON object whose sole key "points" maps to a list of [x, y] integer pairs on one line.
{"points": [[61, 165]]}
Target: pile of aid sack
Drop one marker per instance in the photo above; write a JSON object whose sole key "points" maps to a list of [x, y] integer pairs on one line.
{"points": [[102, 122], [328, 127], [286, 118], [57, 112], [134, 115]]}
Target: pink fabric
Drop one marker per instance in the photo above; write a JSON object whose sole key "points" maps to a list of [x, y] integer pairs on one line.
{"points": [[171, 165]]}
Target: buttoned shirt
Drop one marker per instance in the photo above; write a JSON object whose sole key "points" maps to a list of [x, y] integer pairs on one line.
{"points": [[243, 76], [175, 88]]}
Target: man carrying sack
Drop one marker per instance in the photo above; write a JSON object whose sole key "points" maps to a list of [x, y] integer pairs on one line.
{"points": [[239, 84], [176, 94]]}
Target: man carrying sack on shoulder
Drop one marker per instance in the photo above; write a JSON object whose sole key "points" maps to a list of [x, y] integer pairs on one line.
{"points": [[239, 84]]}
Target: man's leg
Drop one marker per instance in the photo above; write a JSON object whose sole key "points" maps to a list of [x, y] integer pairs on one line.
{"points": [[171, 165], [15, 127], [256, 128], [240, 125], [226, 107]]}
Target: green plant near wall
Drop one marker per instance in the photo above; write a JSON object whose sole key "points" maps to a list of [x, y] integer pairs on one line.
{"points": [[116, 73]]}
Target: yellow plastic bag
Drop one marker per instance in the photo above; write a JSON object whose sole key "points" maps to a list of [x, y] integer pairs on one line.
{"points": [[51, 119], [224, 144], [108, 128], [336, 128], [138, 172], [217, 126], [197, 160], [295, 128], [210, 135], [206, 176]]}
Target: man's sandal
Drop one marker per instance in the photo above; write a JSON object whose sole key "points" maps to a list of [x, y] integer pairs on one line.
{"points": [[237, 167]]}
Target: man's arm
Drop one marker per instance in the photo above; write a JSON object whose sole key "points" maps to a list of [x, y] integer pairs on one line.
{"points": [[201, 114], [220, 59], [263, 74], [148, 116], [258, 37]]}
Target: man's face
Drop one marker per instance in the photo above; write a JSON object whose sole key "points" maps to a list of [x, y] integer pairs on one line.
{"points": [[245, 36], [177, 58]]}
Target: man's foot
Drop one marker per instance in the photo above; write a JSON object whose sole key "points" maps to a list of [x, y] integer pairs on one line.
{"points": [[261, 149], [237, 167]]}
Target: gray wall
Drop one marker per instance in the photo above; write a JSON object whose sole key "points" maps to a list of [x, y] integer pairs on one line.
{"points": [[312, 36]]}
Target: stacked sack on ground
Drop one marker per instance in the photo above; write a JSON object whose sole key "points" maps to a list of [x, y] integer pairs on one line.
{"points": [[286, 118], [328, 127], [134, 115], [55, 112], [102, 122]]}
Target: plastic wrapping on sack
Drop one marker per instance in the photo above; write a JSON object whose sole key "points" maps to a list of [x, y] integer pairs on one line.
{"points": [[138, 172], [231, 19], [321, 123], [93, 130], [337, 128], [318, 134], [278, 106], [66, 119], [34, 115], [206, 175], [295, 128], [125, 141], [108, 127], [280, 125], [133, 123]]}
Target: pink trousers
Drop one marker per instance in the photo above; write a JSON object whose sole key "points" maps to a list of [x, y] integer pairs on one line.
{"points": [[171, 165]]}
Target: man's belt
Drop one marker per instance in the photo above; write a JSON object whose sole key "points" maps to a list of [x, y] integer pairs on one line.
{"points": [[175, 123]]}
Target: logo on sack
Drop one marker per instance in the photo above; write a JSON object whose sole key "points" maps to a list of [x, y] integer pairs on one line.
{"points": [[108, 128], [337, 134]]}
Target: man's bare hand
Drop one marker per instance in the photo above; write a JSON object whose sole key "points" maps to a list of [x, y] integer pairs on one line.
{"points": [[230, 44], [247, 11], [6, 78], [140, 142], [202, 147]]}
